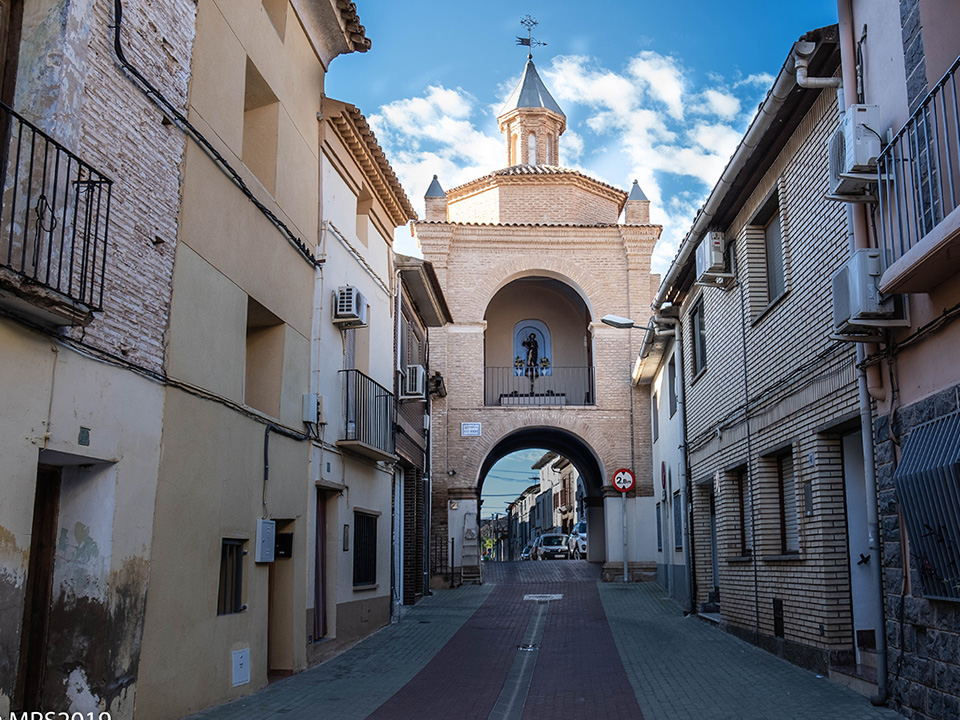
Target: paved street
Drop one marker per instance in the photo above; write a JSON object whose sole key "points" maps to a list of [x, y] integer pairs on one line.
{"points": [[598, 651]]}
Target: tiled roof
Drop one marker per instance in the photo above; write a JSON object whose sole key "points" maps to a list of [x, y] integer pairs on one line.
{"points": [[356, 33], [516, 170], [362, 143]]}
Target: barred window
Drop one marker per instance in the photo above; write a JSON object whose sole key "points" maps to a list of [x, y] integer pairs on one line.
{"points": [[230, 593], [364, 549]]}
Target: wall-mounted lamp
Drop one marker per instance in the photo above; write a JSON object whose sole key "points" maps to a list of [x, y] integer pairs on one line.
{"points": [[451, 473], [617, 321]]}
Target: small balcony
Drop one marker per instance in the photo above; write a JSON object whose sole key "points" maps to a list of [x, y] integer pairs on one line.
{"points": [[919, 185], [368, 417], [54, 214], [557, 386]]}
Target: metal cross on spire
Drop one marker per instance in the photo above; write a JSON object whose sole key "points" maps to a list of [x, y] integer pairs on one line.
{"points": [[529, 41]]}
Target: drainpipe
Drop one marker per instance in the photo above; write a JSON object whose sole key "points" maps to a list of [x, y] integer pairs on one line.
{"points": [[867, 386]]}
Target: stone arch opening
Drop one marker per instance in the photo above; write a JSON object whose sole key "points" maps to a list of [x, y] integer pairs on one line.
{"points": [[587, 487]]}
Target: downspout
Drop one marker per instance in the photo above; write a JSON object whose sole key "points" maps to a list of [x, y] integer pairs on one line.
{"points": [[867, 386]]}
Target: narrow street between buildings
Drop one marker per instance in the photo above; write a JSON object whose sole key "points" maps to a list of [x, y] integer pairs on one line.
{"points": [[548, 640]]}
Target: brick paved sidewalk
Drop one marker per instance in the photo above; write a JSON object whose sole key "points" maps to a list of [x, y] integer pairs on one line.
{"points": [[685, 669]]}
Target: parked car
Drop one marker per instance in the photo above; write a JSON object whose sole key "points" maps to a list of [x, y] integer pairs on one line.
{"points": [[550, 545], [578, 541], [525, 553]]}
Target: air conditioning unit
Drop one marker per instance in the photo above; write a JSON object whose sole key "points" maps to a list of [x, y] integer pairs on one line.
{"points": [[414, 383], [854, 149], [349, 307], [858, 304], [710, 260]]}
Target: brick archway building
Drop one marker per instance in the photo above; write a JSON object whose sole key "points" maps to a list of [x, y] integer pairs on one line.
{"points": [[539, 244]]}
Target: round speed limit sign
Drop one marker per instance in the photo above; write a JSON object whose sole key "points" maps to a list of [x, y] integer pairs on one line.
{"points": [[623, 480]]}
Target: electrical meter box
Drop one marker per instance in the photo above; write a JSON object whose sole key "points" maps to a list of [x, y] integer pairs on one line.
{"points": [[266, 540]]}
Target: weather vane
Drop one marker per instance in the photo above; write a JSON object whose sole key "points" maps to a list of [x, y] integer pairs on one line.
{"points": [[529, 41]]}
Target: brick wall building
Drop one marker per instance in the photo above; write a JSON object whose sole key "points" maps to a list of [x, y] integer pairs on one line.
{"points": [[535, 249], [778, 509]]}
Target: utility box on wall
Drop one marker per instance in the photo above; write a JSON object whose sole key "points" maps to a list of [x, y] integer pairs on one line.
{"points": [[266, 540]]}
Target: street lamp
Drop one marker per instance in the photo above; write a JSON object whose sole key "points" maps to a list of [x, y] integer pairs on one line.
{"points": [[617, 322], [623, 323]]}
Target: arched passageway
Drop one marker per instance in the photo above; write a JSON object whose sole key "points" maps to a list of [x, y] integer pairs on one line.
{"points": [[539, 509]]}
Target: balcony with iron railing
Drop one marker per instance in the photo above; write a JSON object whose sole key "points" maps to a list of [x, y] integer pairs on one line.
{"points": [[368, 417], [54, 215], [523, 386], [919, 187]]}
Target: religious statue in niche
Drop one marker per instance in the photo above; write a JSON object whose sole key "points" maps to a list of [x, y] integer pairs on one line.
{"points": [[531, 346], [533, 356]]}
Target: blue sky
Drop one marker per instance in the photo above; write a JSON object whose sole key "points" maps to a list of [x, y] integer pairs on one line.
{"points": [[660, 92]]}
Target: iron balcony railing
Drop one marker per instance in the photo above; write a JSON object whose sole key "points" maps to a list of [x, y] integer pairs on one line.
{"points": [[509, 386], [368, 410], [919, 171], [54, 213]]}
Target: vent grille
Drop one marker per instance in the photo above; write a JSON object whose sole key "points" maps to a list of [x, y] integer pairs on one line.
{"points": [[927, 482]]}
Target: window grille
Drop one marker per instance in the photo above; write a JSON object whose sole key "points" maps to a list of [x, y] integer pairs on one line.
{"points": [[230, 594], [364, 549]]}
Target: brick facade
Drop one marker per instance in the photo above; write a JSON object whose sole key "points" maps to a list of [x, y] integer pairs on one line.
{"points": [[606, 266], [776, 392]]}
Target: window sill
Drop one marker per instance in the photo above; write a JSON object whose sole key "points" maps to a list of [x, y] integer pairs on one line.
{"points": [[365, 588], [769, 308], [739, 560], [786, 557]]}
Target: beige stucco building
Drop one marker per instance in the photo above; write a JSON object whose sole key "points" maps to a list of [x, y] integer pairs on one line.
{"points": [[233, 565], [537, 250]]}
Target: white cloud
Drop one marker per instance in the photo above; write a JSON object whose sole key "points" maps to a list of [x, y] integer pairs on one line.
{"points": [[663, 79], [646, 120], [716, 102], [763, 80]]}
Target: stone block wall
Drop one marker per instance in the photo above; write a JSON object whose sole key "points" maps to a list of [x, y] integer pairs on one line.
{"points": [[923, 635]]}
